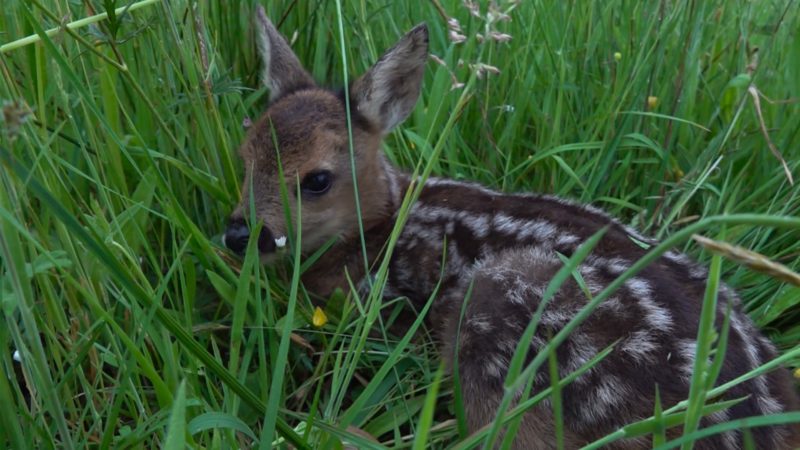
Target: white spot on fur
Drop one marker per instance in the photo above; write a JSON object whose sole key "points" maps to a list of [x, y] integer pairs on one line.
{"points": [[698, 272], [730, 437], [518, 292], [456, 264], [479, 323], [657, 317], [612, 304], [593, 210], [521, 292], [566, 239], [677, 258], [430, 234], [537, 343], [768, 404], [513, 323], [640, 345], [540, 230], [435, 181], [741, 328], [719, 416], [495, 366], [587, 271], [478, 224], [581, 351], [767, 344], [602, 400], [507, 224], [688, 351], [555, 317], [638, 287], [449, 227], [616, 266]]}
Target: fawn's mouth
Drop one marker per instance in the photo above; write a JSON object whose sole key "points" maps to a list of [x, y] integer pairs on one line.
{"points": [[278, 251], [237, 236]]}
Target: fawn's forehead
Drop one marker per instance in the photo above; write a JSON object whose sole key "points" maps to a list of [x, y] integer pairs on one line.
{"points": [[307, 109], [304, 125]]}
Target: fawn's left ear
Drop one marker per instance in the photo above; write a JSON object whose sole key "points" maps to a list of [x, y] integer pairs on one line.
{"points": [[387, 93], [282, 71]]}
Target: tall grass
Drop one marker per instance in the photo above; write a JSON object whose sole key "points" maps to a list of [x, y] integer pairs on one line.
{"points": [[118, 152]]}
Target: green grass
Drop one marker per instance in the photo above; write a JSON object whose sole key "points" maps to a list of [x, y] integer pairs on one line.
{"points": [[118, 167]]}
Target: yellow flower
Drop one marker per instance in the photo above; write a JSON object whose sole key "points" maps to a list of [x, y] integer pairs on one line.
{"points": [[617, 56], [319, 318], [652, 102]]}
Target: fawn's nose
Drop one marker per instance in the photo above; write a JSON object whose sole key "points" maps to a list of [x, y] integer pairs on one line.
{"points": [[237, 235]]}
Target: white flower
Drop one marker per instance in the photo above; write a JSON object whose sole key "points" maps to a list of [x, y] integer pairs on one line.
{"points": [[482, 69], [17, 356], [453, 24], [456, 85], [473, 8], [280, 242], [456, 37], [499, 37]]}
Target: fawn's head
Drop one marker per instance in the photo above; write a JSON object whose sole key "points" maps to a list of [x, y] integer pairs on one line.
{"points": [[304, 135]]}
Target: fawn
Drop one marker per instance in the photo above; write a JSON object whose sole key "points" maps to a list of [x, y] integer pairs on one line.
{"points": [[505, 246]]}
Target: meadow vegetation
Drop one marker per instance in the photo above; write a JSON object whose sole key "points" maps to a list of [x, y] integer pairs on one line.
{"points": [[127, 325]]}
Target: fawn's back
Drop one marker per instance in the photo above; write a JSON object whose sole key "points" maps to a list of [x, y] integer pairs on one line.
{"points": [[497, 252]]}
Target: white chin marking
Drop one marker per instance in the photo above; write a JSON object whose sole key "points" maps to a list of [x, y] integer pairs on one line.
{"points": [[280, 242]]}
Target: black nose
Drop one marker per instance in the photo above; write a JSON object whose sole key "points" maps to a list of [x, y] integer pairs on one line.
{"points": [[237, 235]]}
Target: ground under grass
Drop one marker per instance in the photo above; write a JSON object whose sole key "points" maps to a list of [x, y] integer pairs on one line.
{"points": [[126, 325]]}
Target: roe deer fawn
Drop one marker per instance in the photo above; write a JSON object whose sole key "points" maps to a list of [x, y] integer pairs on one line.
{"points": [[505, 245]]}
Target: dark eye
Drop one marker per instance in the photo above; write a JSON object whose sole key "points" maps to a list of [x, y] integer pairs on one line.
{"points": [[317, 183]]}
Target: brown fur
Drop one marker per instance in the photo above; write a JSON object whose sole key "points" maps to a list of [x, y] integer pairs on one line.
{"points": [[505, 246]]}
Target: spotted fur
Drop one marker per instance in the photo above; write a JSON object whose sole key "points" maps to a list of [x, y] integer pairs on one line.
{"points": [[507, 248]]}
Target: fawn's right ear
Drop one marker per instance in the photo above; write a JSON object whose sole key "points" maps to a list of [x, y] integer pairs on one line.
{"points": [[282, 71]]}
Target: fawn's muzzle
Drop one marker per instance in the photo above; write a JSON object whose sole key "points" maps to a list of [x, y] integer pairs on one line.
{"points": [[237, 235]]}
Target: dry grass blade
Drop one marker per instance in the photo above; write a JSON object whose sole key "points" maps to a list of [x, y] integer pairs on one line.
{"points": [[753, 260], [299, 340], [757, 103]]}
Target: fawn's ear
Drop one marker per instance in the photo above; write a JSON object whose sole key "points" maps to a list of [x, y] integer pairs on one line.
{"points": [[282, 71], [386, 94]]}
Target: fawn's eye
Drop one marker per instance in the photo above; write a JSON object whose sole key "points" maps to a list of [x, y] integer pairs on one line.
{"points": [[316, 183]]}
